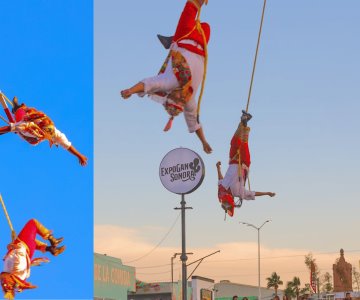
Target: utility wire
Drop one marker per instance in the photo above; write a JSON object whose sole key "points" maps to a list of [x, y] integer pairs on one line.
{"points": [[158, 244], [247, 259]]}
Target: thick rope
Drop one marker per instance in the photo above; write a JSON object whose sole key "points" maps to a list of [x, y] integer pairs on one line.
{"points": [[256, 54], [13, 233]]}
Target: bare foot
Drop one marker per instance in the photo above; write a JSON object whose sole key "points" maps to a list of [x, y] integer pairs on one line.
{"points": [[272, 194], [207, 148], [218, 164], [126, 94]]}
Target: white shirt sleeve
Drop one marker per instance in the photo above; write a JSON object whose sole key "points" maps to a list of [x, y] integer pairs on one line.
{"points": [[60, 139]]}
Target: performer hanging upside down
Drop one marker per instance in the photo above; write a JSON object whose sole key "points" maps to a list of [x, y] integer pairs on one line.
{"points": [[18, 259], [233, 184], [34, 127], [176, 84]]}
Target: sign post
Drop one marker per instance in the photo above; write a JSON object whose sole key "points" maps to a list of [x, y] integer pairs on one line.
{"points": [[181, 172]]}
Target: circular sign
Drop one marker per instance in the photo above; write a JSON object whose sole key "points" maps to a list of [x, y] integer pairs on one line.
{"points": [[182, 171]]}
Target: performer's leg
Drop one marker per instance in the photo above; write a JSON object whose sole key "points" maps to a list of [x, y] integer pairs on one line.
{"points": [[246, 117], [164, 82], [41, 246], [5, 129], [242, 132], [28, 234], [137, 88], [187, 19]]}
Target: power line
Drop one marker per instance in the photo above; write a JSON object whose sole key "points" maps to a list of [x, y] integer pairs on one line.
{"points": [[158, 244], [277, 257], [248, 259]]}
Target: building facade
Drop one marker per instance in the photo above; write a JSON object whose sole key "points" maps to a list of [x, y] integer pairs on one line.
{"points": [[112, 279]]}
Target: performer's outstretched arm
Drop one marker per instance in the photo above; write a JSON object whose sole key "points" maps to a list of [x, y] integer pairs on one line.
{"points": [[271, 194], [201, 136], [82, 158], [60, 139]]}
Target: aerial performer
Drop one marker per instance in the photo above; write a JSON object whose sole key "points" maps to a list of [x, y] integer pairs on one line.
{"points": [[176, 85], [35, 127], [19, 257], [233, 184]]}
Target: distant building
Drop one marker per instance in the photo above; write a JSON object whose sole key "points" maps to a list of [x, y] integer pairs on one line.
{"points": [[112, 279], [160, 290], [199, 288], [115, 281], [225, 290]]}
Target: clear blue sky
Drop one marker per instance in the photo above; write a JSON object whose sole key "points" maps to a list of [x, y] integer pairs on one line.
{"points": [[304, 139], [47, 61]]}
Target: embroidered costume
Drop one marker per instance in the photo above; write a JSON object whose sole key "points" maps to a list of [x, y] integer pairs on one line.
{"points": [[180, 76], [19, 258], [38, 127], [35, 127], [233, 183]]}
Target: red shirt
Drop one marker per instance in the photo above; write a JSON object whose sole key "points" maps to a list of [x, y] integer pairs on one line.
{"points": [[186, 24]]}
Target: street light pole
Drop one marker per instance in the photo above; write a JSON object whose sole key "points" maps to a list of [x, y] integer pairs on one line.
{"points": [[258, 231], [172, 267]]}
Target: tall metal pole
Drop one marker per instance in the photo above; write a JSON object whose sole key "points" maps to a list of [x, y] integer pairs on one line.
{"points": [[258, 230], [172, 271], [183, 256]]}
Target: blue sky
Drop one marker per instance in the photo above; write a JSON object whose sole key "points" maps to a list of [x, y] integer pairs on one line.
{"points": [[47, 62], [304, 144]]}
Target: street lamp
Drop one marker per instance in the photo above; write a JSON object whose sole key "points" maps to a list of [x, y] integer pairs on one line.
{"points": [[258, 230]]}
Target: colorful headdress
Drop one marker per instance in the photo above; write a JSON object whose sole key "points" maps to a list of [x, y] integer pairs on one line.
{"points": [[173, 110], [226, 199], [11, 283]]}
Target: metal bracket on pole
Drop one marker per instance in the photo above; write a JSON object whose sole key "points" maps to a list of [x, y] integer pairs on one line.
{"points": [[200, 261]]}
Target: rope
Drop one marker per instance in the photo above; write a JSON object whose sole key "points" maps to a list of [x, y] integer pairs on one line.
{"points": [[7, 99], [13, 233], [199, 28], [256, 54], [6, 121]]}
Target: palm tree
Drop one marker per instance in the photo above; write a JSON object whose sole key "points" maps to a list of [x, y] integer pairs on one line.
{"points": [[289, 291], [273, 282], [326, 283], [306, 290], [295, 284]]}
